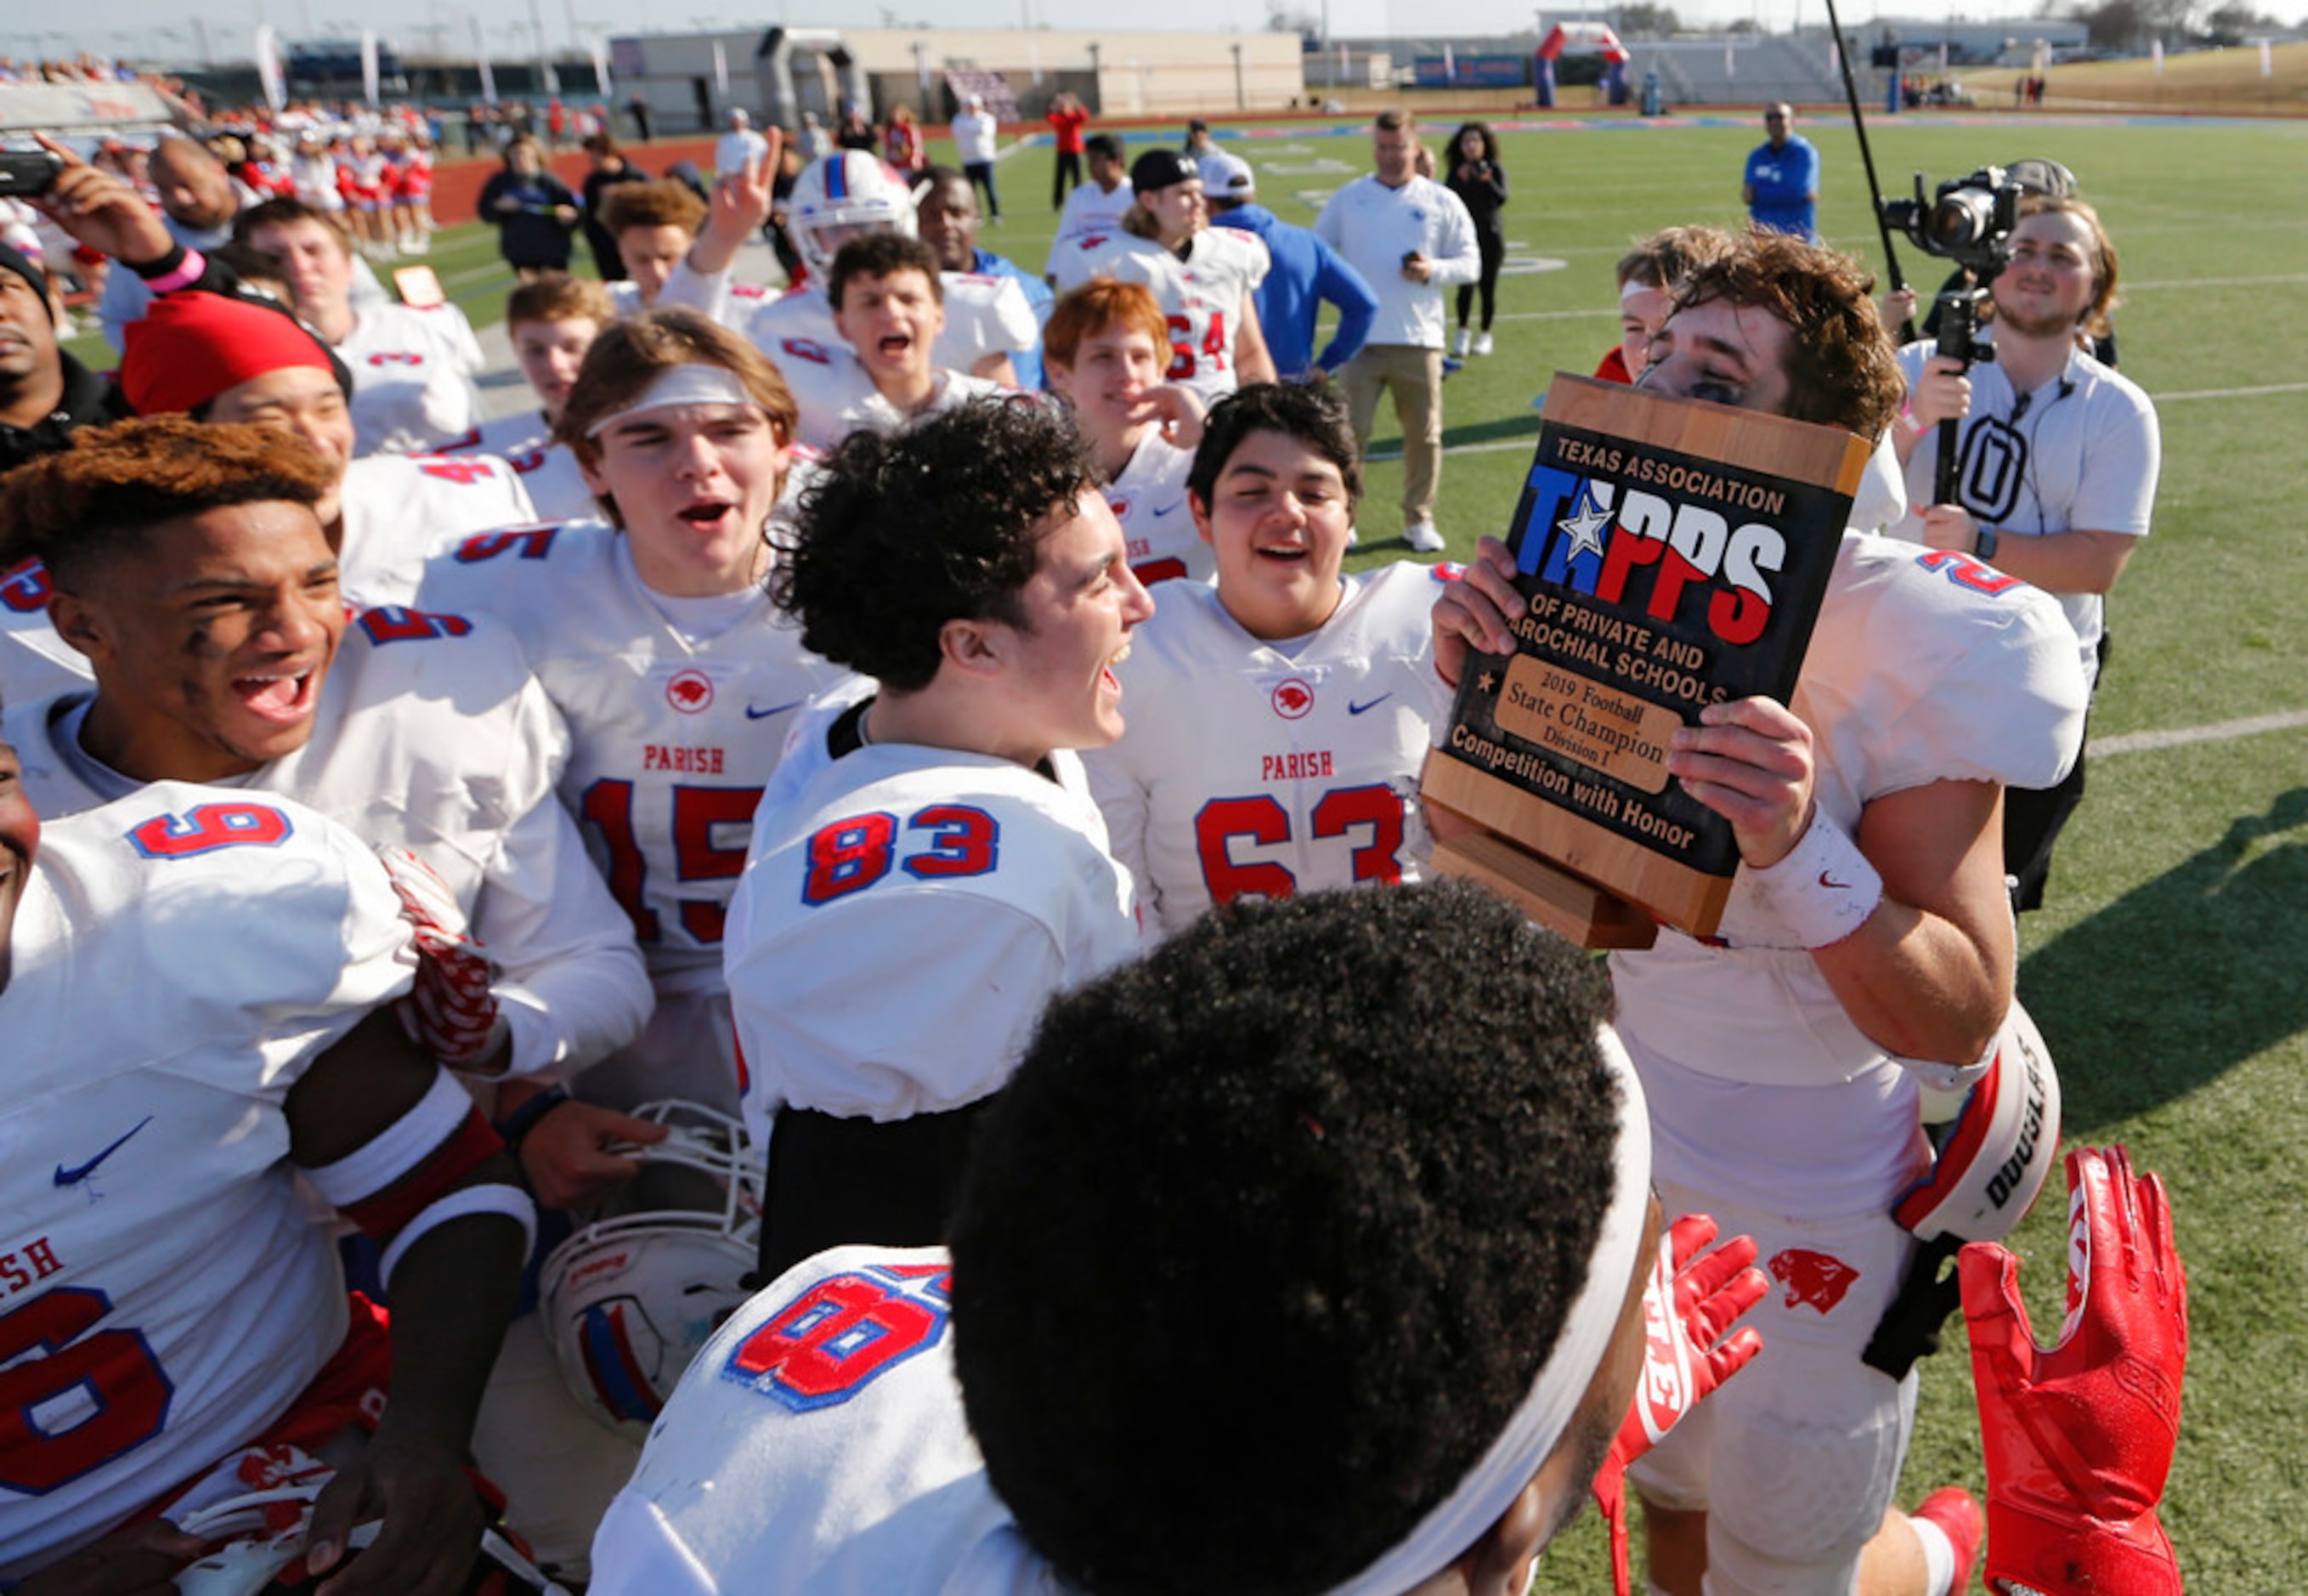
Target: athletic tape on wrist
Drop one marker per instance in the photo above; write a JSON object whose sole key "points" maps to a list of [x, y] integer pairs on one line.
{"points": [[1824, 889], [1531, 1435], [490, 1197]]}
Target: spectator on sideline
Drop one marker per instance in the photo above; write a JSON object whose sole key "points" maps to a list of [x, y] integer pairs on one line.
{"points": [[856, 133], [1480, 181], [1198, 140], [1098, 206], [1067, 117], [533, 211], [741, 146], [2057, 461], [814, 140], [975, 133], [1408, 236], [1305, 272], [947, 216], [902, 145], [610, 168], [1782, 184], [197, 205]]}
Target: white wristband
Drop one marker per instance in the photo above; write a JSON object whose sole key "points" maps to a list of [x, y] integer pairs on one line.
{"points": [[489, 1197], [1824, 889]]}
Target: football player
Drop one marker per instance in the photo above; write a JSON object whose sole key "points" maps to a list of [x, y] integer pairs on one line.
{"points": [[1105, 347], [190, 569], [889, 299], [552, 319], [1279, 717], [413, 369], [189, 978], [1866, 951], [655, 637], [837, 197], [1202, 275], [940, 826], [1384, 1243]]}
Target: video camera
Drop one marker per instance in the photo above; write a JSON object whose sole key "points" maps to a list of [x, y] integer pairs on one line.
{"points": [[1968, 222]]}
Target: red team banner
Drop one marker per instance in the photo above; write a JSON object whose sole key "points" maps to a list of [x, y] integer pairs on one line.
{"points": [[1672, 553]]}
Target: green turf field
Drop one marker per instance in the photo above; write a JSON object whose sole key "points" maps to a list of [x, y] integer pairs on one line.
{"points": [[2169, 971]]}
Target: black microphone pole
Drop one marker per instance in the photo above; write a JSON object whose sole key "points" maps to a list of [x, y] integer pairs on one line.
{"points": [[1867, 158]]}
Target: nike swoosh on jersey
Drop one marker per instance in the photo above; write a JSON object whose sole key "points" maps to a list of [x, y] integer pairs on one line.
{"points": [[1166, 509], [1357, 709], [74, 1176], [754, 715]]}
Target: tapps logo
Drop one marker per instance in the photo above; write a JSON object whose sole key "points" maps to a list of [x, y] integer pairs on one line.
{"points": [[1605, 539], [1814, 1277], [690, 692], [1293, 699]]}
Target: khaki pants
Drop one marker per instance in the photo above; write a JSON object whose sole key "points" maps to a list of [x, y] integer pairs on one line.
{"points": [[1415, 376]]}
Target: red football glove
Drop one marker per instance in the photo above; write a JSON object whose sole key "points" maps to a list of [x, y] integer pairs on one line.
{"points": [[452, 1011], [1692, 1299], [2079, 1438]]}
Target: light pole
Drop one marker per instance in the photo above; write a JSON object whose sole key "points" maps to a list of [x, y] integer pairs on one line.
{"points": [[1239, 104]]}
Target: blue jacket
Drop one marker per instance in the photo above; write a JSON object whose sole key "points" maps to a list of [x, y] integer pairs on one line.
{"points": [[1027, 362], [1305, 272]]}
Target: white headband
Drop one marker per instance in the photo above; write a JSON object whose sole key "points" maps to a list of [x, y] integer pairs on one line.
{"points": [[1634, 286], [1492, 1485], [694, 382]]}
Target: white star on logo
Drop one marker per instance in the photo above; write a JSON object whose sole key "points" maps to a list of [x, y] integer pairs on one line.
{"points": [[1586, 526]]}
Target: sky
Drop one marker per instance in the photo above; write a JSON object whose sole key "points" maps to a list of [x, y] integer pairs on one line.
{"points": [[163, 30]]}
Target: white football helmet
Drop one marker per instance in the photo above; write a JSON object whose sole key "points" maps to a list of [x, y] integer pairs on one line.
{"points": [[1994, 1157], [841, 196], [630, 1297]]}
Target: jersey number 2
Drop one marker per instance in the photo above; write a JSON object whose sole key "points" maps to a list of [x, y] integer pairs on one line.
{"points": [[1264, 821]]}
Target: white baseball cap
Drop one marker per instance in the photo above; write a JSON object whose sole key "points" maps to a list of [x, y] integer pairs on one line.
{"points": [[1227, 177]]}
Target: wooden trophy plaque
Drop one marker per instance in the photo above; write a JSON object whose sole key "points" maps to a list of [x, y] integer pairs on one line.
{"points": [[1672, 553]]}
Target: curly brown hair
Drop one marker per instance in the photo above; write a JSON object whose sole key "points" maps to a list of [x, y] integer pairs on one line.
{"points": [[97, 499], [668, 202], [1842, 370]]}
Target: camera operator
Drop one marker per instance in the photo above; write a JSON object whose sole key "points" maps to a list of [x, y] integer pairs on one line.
{"points": [[2056, 465]]}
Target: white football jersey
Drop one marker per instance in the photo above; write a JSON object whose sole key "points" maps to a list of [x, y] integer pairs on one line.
{"points": [[1924, 666], [180, 958], [34, 661], [1250, 769], [1202, 296], [2083, 451], [903, 919], [835, 396], [674, 731], [399, 510], [548, 470], [983, 315], [1089, 208], [817, 1447], [1149, 499], [413, 374], [432, 733]]}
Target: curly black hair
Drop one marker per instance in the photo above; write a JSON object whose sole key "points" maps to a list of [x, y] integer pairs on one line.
{"points": [[881, 254], [1269, 1234], [1312, 411], [941, 521]]}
